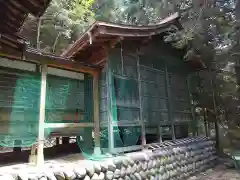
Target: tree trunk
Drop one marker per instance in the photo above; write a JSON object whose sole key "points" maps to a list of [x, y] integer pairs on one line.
{"points": [[237, 10], [39, 32], [205, 122], [55, 42]]}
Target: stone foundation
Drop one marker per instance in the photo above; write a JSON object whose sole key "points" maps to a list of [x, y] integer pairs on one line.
{"points": [[166, 161]]}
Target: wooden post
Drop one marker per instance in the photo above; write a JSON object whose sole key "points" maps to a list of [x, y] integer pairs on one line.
{"points": [[97, 149], [194, 124], [109, 110], [32, 156], [215, 112], [40, 145], [143, 128], [160, 133], [169, 101], [205, 122]]}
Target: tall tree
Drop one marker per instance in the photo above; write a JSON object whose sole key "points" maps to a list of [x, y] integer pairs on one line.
{"points": [[61, 24]]}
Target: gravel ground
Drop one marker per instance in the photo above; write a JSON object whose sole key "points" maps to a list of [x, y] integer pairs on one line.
{"points": [[224, 171]]}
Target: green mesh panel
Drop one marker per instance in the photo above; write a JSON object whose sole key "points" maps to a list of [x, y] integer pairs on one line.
{"points": [[64, 100], [71, 101], [153, 94], [85, 139], [19, 107], [64, 104], [122, 104], [125, 110]]}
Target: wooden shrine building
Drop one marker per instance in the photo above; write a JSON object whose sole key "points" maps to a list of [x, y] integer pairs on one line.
{"points": [[144, 96], [117, 88]]}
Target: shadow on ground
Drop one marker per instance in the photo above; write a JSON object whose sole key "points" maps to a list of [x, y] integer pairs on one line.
{"points": [[223, 171]]}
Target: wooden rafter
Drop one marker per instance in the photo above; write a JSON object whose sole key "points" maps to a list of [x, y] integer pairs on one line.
{"points": [[97, 58], [14, 12], [16, 6]]}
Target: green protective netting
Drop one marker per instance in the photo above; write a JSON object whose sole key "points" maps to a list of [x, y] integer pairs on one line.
{"points": [[71, 101], [65, 100], [124, 110], [123, 102], [19, 107], [85, 140]]}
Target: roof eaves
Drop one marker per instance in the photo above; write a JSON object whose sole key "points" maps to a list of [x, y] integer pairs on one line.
{"points": [[168, 20], [103, 28]]}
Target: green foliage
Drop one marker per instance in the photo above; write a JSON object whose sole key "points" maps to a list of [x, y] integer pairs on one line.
{"points": [[61, 24], [134, 12], [208, 26], [65, 20]]}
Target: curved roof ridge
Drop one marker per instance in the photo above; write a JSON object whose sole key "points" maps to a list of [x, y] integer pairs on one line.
{"points": [[101, 32], [168, 19]]}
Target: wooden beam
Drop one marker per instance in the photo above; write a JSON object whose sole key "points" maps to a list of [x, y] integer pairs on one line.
{"points": [[136, 33], [11, 38], [63, 63], [13, 17], [57, 62], [103, 52], [10, 24], [16, 6], [79, 45], [7, 30], [72, 67], [67, 125], [8, 43], [31, 7]]}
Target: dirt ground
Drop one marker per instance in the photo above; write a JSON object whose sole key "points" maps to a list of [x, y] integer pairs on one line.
{"points": [[223, 171]]}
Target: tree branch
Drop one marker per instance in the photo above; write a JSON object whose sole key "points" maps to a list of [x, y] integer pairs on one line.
{"points": [[55, 42]]}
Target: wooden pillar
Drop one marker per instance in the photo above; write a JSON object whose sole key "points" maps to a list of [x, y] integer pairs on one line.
{"points": [[160, 133], [205, 122], [169, 101], [215, 111], [97, 149], [109, 82], [40, 144], [32, 156], [194, 123], [143, 128]]}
